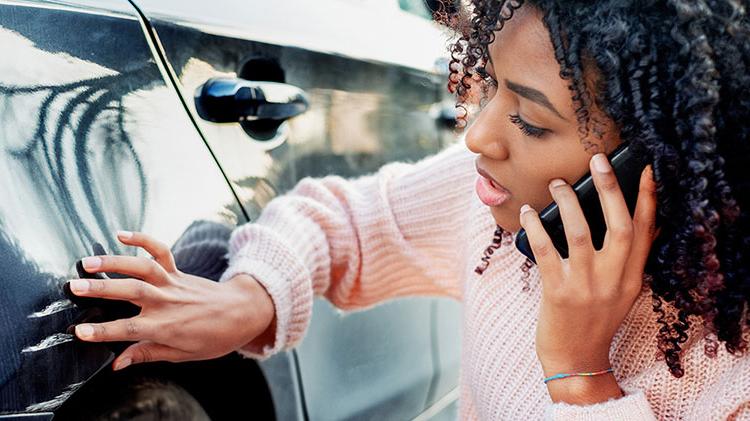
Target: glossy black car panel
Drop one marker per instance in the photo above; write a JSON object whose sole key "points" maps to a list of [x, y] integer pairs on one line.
{"points": [[99, 131], [92, 140]]}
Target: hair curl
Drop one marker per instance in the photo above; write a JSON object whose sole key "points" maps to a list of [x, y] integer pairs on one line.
{"points": [[674, 76]]}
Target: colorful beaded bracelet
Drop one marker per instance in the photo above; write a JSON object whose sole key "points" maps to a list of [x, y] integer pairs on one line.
{"points": [[564, 375]]}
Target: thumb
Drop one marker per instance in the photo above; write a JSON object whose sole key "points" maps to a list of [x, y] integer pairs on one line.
{"points": [[146, 352]]}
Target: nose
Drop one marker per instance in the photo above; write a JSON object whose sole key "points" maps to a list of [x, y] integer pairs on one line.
{"points": [[486, 136]]}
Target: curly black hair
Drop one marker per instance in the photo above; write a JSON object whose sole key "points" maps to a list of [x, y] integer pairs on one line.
{"points": [[674, 77]]}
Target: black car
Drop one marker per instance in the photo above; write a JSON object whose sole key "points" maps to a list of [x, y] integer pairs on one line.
{"points": [[182, 120]]}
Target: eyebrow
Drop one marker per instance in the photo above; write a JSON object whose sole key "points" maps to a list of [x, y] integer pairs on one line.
{"points": [[529, 93], [533, 95]]}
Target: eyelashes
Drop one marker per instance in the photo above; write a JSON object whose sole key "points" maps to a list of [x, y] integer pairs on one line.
{"points": [[525, 127]]}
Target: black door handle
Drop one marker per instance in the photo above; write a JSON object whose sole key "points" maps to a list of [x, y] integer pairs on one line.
{"points": [[230, 100]]}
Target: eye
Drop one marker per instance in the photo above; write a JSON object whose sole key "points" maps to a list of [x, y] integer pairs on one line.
{"points": [[525, 127]]}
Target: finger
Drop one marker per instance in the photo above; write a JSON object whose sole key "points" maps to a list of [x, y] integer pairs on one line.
{"points": [[545, 253], [146, 352], [133, 290], [123, 330], [576, 228], [137, 267], [160, 252], [644, 222], [619, 236]]}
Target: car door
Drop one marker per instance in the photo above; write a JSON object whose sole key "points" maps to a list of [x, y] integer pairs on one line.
{"points": [[372, 99], [93, 139]]}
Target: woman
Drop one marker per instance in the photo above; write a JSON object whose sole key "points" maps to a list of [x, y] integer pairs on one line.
{"points": [[563, 84]]}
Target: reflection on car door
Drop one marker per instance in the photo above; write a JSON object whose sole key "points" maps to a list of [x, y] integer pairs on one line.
{"points": [[372, 101], [92, 140]]}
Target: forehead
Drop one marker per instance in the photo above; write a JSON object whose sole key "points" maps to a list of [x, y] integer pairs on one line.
{"points": [[522, 53]]}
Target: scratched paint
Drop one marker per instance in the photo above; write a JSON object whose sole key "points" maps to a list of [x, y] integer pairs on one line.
{"points": [[49, 342], [55, 402], [53, 308]]}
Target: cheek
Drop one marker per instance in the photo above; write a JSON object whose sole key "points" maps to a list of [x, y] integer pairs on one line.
{"points": [[534, 191], [531, 189], [533, 181]]}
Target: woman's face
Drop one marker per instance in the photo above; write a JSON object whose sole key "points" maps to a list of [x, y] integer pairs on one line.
{"points": [[527, 132]]}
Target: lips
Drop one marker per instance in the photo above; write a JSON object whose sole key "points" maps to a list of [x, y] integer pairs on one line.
{"points": [[490, 192]]}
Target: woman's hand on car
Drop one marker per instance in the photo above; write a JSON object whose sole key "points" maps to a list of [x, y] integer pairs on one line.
{"points": [[586, 297], [183, 317]]}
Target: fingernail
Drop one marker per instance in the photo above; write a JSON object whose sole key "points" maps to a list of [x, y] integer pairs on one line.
{"points": [[84, 331], [79, 285], [556, 182], [123, 363], [124, 234], [525, 208], [600, 163], [91, 262]]}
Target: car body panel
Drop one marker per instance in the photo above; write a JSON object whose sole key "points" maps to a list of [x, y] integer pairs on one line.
{"points": [[373, 100], [336, 27], [110, 140], [92, 140], [447, 323]]}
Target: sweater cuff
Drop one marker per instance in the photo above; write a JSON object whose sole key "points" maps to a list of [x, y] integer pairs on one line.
{"points": [[293, 311], [631, 407]]}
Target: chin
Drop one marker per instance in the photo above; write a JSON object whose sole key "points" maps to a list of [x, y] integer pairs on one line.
{"points": [[506, 218]]}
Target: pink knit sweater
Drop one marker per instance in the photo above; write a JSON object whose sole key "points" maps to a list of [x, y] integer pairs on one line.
{"points": [[419, 229]]}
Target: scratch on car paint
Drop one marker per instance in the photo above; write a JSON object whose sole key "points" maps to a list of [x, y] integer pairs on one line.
{"points": [[53, 308], [49, 342], [56, 401]]}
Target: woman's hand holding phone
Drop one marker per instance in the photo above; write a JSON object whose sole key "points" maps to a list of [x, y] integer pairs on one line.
{"points": [[183, 317], [586, 297]]}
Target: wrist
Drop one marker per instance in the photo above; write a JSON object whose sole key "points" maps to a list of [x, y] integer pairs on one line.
{"points": [[255, 297], [584, 390], [557, 362]]}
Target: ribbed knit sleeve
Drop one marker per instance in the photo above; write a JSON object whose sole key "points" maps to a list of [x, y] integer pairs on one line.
{"points": [[357, 242]]}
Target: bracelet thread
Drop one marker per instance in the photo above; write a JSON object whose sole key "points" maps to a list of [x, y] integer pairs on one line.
{"points": [[564, 375]]}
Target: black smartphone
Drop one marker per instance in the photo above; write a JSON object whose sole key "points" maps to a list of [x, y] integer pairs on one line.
{"points": [[627, 169]]}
